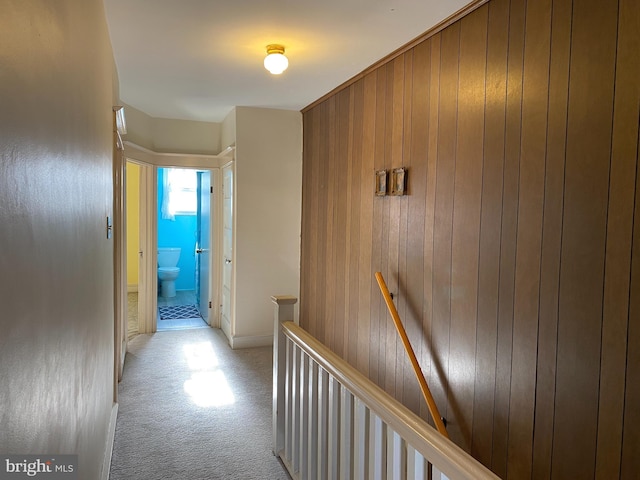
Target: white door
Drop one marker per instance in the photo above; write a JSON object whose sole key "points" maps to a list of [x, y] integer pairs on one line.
{"points": [[203, 255], [227, 250]]}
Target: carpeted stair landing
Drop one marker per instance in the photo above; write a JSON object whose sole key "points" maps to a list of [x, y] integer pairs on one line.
{"points": [[190, 408]]}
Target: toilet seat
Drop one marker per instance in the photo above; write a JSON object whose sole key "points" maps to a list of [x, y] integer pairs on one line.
{"points": [[168, 269]]}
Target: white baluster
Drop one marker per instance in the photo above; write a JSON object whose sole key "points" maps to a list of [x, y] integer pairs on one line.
{"points": [[295, 419], [361, 441], [377, 447], [396, 456], [416, 465], [437, 474], [288, 441], [323, 423], [312, 422], [304, 414], [333, 430], [346, 434]]}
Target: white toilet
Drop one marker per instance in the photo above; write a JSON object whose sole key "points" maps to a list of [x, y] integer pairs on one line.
{"points": [[168, 271]]}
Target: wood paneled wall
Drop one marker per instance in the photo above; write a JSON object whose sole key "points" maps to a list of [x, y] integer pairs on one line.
{"points": [[515, 257]]}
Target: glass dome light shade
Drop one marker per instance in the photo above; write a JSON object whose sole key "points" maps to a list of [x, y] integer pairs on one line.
{"points": [[275, 61]]}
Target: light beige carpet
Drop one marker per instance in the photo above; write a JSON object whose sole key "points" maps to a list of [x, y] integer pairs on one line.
{"points": [[191, 408]]}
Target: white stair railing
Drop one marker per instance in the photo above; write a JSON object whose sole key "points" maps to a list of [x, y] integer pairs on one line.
{"points": [[331, 422]]}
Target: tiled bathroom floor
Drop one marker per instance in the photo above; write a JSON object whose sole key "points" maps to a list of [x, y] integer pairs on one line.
{"points": [[183, 297]]}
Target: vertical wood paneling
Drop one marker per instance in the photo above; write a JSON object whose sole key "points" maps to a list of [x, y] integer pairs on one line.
{"points": [[378, 310], [435, 365], [490, 229], [328, 242], [511, 175], [314, 296], [624, 155], [589, 126], [514, 257], [306, 223], [410, 261], [322, 219], [341, 232], [551, 239], [342, 334], [356, 140], [466, 222], [630, 462], [535, 91], [415, 259], [448, 100], [405, 372], [393, 156], [366, 302]]}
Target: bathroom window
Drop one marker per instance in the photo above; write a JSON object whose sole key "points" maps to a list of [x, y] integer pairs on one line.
{"points": [[180, 188]]}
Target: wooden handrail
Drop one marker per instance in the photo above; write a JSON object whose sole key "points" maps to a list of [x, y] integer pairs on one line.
{"points": [[433, 408]]}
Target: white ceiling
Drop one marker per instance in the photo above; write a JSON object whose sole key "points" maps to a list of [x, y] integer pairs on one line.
{"points": [[197, 59]]}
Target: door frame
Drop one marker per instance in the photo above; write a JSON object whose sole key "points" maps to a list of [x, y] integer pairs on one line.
{"points": [[116, 229], [148, 255], [229, 330], [148, 285]]}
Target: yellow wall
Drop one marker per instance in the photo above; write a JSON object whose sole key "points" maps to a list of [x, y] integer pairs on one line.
{"points": [[133, 222]]}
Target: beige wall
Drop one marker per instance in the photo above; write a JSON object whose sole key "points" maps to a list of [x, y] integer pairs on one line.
{"points": [[228, 130], [268, 173], [172, 136], [139, 127], [133, 223], [56, 347]]}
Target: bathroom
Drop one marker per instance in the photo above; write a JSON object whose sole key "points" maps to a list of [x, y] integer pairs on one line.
{"points": [[179, 235]]}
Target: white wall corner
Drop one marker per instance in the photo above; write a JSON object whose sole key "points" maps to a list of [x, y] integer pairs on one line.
{"points": [[228, 130]]}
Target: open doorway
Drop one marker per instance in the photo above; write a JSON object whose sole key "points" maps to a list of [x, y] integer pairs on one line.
{"points": [[207, 168], [134, 249], [183, 240]]}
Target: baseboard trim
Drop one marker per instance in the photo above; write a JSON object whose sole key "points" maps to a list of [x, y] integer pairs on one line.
{"points": [[251, 341], [108, 451], [226, 329]]}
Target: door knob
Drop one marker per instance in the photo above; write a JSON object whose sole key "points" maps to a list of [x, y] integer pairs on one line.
{"points": [[227, 261]]}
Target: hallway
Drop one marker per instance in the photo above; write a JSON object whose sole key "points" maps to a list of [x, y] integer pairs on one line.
{"points": [[192, 408]]}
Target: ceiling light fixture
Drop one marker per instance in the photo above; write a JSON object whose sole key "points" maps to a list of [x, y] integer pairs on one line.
{"points": [[275, 61]]}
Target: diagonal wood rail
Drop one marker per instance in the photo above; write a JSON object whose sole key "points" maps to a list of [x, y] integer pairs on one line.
{"points": [[433, 408]]}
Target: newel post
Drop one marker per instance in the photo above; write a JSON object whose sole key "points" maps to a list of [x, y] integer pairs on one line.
{"points": [[283, 312]]}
